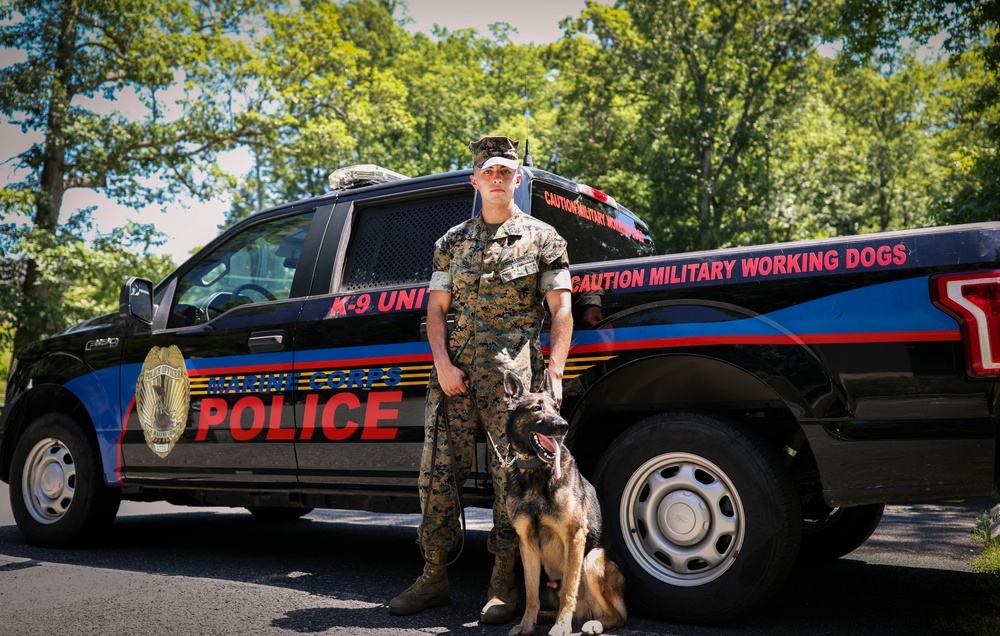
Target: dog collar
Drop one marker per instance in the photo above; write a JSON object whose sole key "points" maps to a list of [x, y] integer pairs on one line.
{"points": [[529, 462]]}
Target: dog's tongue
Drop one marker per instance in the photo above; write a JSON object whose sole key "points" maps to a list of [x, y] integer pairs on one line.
{"points": [[553, 447]]}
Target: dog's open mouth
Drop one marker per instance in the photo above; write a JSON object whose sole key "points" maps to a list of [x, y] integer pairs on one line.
{"points": [[548, 450]]}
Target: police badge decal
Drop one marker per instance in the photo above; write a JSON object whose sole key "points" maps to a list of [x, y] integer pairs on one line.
{"points": [[162, 397]]}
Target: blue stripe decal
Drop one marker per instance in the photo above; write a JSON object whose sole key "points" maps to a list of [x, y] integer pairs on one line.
{"points": [[95, 391], [899, 306]]}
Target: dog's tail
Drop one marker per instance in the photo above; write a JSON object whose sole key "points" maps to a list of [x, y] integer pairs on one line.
{"points": [[615, 581], [607, 586]]}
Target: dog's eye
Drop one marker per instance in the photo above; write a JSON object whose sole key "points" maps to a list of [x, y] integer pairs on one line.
{"points": [[537, 408]]}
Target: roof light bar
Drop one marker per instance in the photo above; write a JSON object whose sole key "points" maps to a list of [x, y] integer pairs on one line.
{"points": [[362, 175]]}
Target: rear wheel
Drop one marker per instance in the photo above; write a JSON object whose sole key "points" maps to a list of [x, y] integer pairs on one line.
{"points": [[702, 514], [830, 533], [57, 490]]}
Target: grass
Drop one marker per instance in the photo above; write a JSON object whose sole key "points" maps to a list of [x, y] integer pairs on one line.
{"points": [[987, 566], [989, 562]]}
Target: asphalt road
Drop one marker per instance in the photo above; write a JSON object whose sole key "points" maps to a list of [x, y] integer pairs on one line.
{"points": [[167, 570]]}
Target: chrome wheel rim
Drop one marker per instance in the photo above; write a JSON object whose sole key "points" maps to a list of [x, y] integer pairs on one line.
{"points": [[682, 519], [48, 482]]}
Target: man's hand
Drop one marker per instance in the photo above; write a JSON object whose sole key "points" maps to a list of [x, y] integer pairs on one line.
{"points": [[452, 379], [555, 379]]}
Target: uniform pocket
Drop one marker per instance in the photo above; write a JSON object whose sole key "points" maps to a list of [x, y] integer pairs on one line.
{"points": [[518, 268]]}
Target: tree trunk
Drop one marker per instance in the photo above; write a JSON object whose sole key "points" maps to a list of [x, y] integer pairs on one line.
{"points": [[705, 199], [52, 183]]}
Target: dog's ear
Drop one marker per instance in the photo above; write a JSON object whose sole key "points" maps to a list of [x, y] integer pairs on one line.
{"points": [[513, 388]]}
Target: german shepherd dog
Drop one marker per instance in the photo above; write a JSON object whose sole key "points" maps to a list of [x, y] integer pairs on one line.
{"points": [[558, 520]]}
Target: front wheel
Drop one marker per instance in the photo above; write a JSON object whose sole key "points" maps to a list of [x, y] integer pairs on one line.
{"points": [[702, 514], [57, 490]]}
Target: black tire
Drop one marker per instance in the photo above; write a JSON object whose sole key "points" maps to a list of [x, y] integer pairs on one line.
{"points": [[701, 514], [830, 533], [275, 514], [57, 490]]}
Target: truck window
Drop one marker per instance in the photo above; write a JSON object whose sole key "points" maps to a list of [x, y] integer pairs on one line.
{"points": [[594, 230], [393, 244], [256, 265]]}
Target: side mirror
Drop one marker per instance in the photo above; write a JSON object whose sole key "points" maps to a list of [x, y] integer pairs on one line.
{"points": [[135, 304]]}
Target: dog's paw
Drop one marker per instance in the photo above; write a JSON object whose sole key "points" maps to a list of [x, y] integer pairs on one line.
{"points": [[564, 628], [593, 627], [522, 630]]}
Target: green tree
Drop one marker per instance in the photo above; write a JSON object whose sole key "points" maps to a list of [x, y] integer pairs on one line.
{"points": [[879, 30], [714, 78], [465, 85], [78, 50], [378, 95], [969, 110], [864, 150], [314, 89], [594, 130], [887, 115]]}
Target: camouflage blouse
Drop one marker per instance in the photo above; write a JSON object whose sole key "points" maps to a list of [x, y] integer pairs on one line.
{"points": [[498, 286]]}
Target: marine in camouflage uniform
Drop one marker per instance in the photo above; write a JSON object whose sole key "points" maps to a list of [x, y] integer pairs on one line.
{"points": [[495, 276]]}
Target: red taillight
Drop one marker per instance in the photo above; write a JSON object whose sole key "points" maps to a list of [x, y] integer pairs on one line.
{"points": [[974, 299], [596, 194]]}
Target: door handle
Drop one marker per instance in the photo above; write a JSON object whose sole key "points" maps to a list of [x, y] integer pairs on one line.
{"points": [[266, 341]]}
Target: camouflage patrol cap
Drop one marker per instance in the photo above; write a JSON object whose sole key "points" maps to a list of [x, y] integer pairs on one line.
{"points": [[490, 151]]}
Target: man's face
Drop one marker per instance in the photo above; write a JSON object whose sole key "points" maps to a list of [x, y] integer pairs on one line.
{"points": [[496, 184]]}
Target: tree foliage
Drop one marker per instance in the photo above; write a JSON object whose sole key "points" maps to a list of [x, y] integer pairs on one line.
{"points": [[78, 50], [317, 95], [879, 31], [595, 130], [85, 276], [378, 94]]}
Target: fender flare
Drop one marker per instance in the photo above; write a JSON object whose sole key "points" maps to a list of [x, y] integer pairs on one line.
{"points": [[63, 383]]}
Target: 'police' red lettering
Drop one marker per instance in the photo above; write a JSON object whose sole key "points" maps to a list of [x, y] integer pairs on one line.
{"points": [[249, 417]]}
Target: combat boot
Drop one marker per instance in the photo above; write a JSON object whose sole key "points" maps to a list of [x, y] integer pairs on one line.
{"points": [[503, 594], [429, 590]]}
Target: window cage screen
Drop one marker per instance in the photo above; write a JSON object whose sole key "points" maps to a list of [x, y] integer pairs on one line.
{"points": [[393, 244]]}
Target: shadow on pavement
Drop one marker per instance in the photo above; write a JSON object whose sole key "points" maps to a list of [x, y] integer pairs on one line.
{"points": [[892, 585]]}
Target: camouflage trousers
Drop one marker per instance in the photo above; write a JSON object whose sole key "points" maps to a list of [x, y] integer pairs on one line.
{"points": [[440, 528]]}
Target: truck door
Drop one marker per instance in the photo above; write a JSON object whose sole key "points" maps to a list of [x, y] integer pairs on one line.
{"points": [[361, 355], [213, 386]]}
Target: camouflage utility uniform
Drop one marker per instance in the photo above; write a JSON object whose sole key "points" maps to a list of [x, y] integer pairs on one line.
{"points": [[498, 285]]}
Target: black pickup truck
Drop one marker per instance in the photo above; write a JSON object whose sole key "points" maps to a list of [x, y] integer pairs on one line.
{"points": [[736, 409]]}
